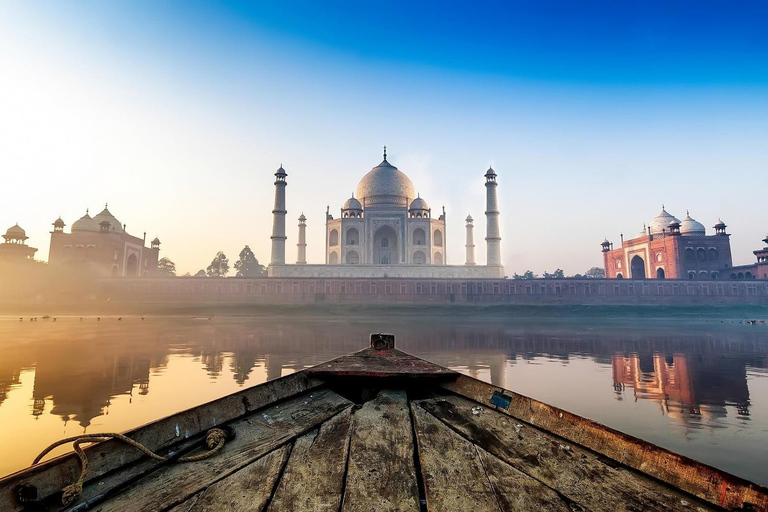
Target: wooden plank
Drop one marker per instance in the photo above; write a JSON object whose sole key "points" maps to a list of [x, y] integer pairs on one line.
{"points": [[257, 435], [314, 476], [247, 489], [453, 475], [381, 475], [389, 363], [51, 476], [710, 484], [515, 490], [565, 467]]}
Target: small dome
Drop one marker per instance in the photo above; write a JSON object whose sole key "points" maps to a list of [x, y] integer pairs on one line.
{"points": [[156, 241], [469, 218], [720, 224], [418, 204], [385, 184], [58, 223], [302, 218], [15, 233], [690, 227], [490, 172], [105, 215], [661, 222], [352, 204], [85, 223]]}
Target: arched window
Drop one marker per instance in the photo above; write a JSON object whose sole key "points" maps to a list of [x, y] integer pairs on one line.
{"points": [[703, 274], [333, 259], [637, 266], [619, 276], [690, 257], [333, 238], [733, 276], [691, 275], [80, 252], [353, 236], [385, 242], [660, 273], [90, 252], [701, 255], [437, 237], [419, 258], [438, 258], [712, 254], [747, 275], [419, 237], [715, 275], [353, 258]]}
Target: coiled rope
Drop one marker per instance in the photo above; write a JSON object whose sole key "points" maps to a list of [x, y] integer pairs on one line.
{"points": [[214, 440]]}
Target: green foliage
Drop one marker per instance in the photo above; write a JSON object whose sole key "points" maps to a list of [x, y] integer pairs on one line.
{"points": [[595, 273], [219, 267], [528, 274], [248, 266], [165, 267], [201, 273], [557, 274]]}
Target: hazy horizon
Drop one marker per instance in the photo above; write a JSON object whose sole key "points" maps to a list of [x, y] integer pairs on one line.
{"points": [[178, 115]]}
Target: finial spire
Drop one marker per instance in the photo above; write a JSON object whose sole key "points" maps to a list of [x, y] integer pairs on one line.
{"points": [[106, 205], [385, 153]]}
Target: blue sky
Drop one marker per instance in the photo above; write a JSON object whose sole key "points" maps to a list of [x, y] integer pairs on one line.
{"points": [[593, 114]]}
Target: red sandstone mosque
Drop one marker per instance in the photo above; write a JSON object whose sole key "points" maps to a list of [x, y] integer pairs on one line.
{"points": [[102, 242], [669, 248]]}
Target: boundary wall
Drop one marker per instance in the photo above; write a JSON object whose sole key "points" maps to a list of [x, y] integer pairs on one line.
{"points": [[190, 290]]}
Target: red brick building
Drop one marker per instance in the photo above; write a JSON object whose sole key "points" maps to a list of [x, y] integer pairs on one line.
{"points": [[758, 270], [671, 249], [102, 242]]}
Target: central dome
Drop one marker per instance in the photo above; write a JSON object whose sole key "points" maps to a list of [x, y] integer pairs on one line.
{"points": [[385, 184]]}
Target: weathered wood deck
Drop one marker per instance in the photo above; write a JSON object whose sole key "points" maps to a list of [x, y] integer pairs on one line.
{"points": [[370, 439]]}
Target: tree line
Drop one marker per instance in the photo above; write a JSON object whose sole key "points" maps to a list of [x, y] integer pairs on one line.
{"points": [[246, 266], [592, 273]]}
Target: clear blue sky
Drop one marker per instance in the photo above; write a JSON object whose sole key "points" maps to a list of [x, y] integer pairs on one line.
{"points": [[593, 114]]}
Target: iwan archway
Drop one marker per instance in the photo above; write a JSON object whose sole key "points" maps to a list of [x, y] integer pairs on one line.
{"points": [[637, 266], [385, 246]]}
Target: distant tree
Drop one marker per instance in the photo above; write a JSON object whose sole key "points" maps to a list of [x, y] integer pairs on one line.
{"points": [[201, 273], [219, 267], [187, 274], [557, 274], [247, 265], [166, 267], [528, 274], [578, 276], [595, 273]]}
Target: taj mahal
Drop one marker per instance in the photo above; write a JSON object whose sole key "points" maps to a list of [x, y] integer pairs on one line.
{"points": [[386, 230]]}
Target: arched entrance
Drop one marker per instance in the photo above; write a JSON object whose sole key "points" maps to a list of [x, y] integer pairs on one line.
{"points": [[419, 258], [637, 266], [660, 273], [385, 246], [132, 266], [353, 258]]}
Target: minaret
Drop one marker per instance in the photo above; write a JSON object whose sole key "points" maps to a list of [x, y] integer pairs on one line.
{"points": [[278, 219], [301, 259], [493, 235], [470, 241]]}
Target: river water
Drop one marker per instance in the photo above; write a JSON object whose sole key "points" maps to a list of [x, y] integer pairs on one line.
{"points": [[698, 386]]}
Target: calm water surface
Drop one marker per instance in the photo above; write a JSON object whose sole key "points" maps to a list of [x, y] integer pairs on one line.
{"points": [[697, 387]]}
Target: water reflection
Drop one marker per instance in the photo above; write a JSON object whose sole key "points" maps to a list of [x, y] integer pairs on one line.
{"points": [[81, 368]]}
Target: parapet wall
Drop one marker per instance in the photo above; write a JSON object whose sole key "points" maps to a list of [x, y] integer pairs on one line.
{"points": [[275, 290], [388, 271]]}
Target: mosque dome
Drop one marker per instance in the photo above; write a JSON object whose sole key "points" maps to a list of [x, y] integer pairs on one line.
{"points": [[385, 184], [15, 233], [661, 222], [85, 223], [352, 204], [418, 204], [690, 227], [105, 215]]}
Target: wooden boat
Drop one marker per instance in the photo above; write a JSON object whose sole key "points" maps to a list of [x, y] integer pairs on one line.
{"points": [[380, 430]]}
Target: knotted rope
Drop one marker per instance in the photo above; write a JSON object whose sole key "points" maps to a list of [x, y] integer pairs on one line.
{"points": [[214, 440]]}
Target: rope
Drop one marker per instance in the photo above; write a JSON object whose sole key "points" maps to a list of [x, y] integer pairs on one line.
{"points": [[214, 441]]}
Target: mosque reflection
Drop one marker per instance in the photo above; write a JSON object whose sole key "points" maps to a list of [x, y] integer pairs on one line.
{"points": [[79, 368]]}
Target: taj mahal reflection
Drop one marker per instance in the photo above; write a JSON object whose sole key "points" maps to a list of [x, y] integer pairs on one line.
{"points": [[79, 372]]}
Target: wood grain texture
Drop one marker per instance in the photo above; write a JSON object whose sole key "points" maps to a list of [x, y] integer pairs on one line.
{"points": [[453, 474], [515, 490], [243, 491], [706, 482], [104, 458], [576, 473], [381, 475], [314, 477], [370, 362], [257, 435]]}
